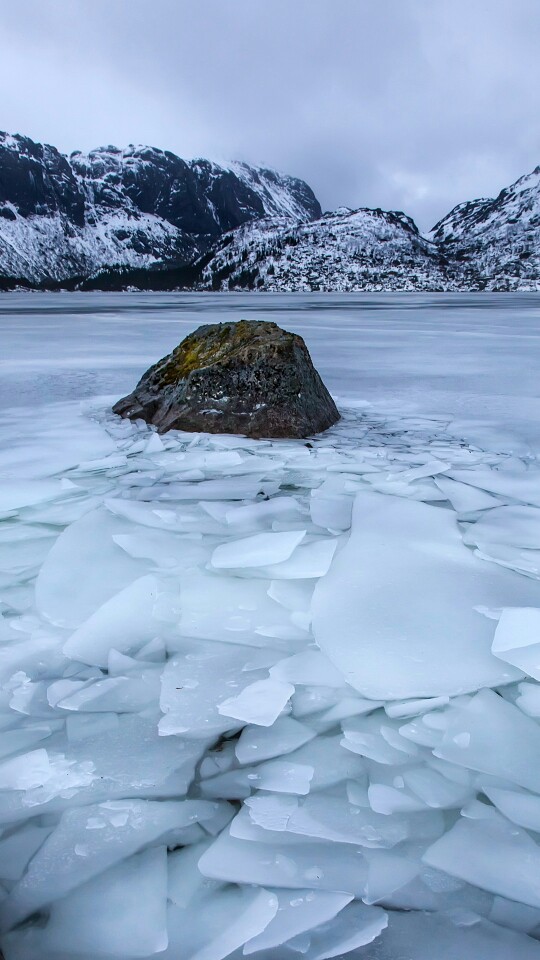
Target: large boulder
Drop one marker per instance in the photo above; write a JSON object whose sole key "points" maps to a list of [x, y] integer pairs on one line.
{"points": [[249, 377]]}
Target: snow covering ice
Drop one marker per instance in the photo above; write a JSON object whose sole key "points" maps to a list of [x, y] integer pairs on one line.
{"points": [[277, 699]]}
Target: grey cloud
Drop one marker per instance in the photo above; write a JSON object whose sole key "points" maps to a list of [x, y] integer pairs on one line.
{"points": [[408, 104]]}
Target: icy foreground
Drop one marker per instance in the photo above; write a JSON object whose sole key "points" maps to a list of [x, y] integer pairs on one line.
{"points": [[270, 699]]}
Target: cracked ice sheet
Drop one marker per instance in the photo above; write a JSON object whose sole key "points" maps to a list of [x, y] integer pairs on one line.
{"points": [[396, 613], [349, 783]]}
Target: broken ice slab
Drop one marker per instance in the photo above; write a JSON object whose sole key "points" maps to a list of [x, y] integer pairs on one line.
{"points": [[228, 488], [130, 900], [396, 611], [84, 569], [319, 866], [259, 516], [308, 667], [528, 699], [525, 562], [429, 935], [217, 919], [521, 485], [164, 548], [124, 623], [414, 708], [515, 526], [329, 509], [519, 806], [17, 849], [517, 639], [516, 916], [130, 694], [259, 550], [309, 560], [330, 816], [18, 493], [256, 744], [90, 840], [464, 498], [356, 926], [129, 759], [493, 854], [283, 776], [297, 912], [493, 736], [196, 683], [261, 702], [329, 761], [232, 610]]}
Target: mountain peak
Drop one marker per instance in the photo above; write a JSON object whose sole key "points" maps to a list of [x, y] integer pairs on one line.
{"points": [[132, 206]]}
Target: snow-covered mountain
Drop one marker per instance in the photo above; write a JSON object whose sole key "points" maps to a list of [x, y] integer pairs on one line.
{"points": [[496, 242], [62, 217], [144, 217], [342, 251], [481, 245]]}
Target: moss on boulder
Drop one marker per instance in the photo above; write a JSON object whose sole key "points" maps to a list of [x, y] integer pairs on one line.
{"points": [[249, 377]]}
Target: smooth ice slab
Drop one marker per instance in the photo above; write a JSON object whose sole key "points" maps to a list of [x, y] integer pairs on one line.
{"points": [[493, 736], [257, 551], [85, 568], [123, 912], [297, 913], [226, 608], [18, 493], [256, 743], [396, 613], [516, 526], [320, 866], [430, 936], [260, 703], [196, 684], [517, 639], [490, 853], [123, 623], [92, 839]]}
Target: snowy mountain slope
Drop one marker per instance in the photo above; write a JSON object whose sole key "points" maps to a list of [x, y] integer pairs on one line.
{"points": [[63, 217], [144, 217], [43, 247], [497, 239], [342, 251], [483, 244]]}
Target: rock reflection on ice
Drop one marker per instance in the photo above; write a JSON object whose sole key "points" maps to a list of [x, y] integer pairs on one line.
{"points": [[272, 698]]}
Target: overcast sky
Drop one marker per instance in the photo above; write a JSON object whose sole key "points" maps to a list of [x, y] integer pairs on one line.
{"points": [[403, 104]]}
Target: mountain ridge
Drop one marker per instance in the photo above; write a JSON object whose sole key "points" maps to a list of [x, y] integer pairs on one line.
{"points": [[142, 217], [64, 217]]}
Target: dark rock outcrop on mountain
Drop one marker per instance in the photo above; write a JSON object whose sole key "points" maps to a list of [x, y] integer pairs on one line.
{"points": [[250, 377], [62, 218], [36, 180]]}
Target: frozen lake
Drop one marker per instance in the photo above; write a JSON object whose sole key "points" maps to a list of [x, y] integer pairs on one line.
{"points": [[272, 698], [474, 357]]}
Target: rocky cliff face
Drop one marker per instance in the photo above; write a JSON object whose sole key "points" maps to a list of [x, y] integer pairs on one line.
{"points": [[61, 217]]}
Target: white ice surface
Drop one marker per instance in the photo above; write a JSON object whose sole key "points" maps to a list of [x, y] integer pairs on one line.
{"points": [[397, 612], [348, 698]]}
